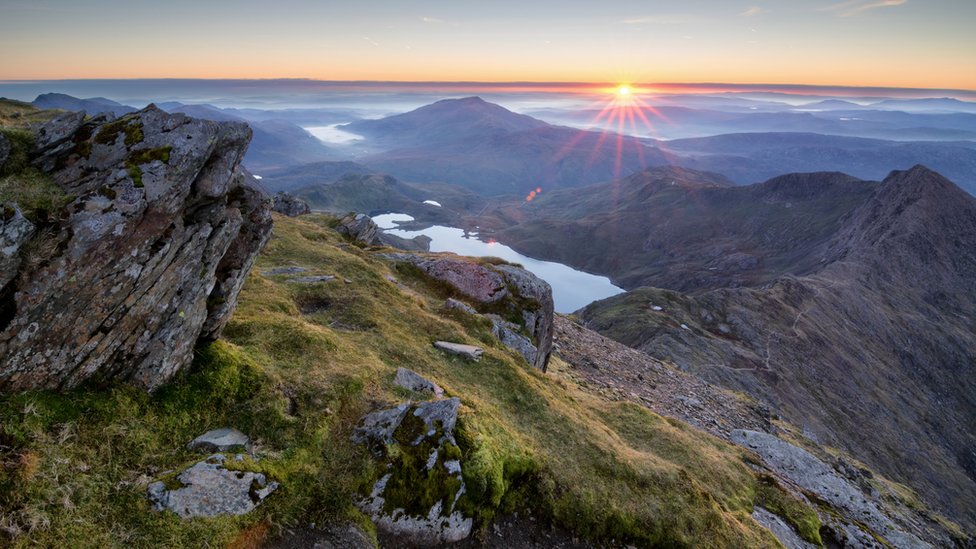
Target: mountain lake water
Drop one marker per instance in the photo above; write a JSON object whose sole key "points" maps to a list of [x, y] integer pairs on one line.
{"points": [[571, 289]]}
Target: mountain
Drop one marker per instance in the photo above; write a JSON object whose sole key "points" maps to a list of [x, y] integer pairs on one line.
{"points": [[832, 104], [311, 174], [682, 229], [92, 105], [941, 104], [871, 348]]}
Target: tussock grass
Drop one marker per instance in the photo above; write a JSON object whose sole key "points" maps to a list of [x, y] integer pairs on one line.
{"points": [[76, 466]]}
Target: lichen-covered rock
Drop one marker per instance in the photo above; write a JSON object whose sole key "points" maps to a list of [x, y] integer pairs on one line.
{"points": [[155, 249], [15, 230], [412, 381], [360, 227], [416, 498], [452, 304], [207, 489], [290, 205], [817, 477]]}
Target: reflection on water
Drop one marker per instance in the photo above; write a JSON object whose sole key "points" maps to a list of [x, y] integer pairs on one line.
{"points": [[571, 289]]}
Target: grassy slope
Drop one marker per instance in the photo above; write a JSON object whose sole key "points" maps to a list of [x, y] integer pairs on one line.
{"points": [[75, 467]]}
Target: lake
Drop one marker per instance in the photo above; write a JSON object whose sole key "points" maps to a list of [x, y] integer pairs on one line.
{"points": [[571, 289]]}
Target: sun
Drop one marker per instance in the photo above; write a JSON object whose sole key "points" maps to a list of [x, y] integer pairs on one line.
{"points": [[623, 90]]}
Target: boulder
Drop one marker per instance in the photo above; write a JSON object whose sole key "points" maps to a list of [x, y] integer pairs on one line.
{"points": [[467, 351], [452, 304], [207, 489], [290, 205], [155, 248], [415, 500], [224, 439], [471, 279], [508, 334], [419, 243], [412, 381], [537, 309], [15, 230], [4, 151], [359, 227]]}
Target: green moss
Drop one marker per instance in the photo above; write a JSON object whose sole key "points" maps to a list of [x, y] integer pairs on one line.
{"points": [[31, 189], [802, 517], [135, 174], [145, 156], [109, 132]]}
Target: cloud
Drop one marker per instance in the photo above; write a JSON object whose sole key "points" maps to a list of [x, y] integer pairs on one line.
{"points": [[754, 10], [433, 20], [857, 7]]}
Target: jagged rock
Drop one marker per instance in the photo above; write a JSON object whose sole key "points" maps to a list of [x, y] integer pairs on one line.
{"points": [[467, 351], [4, 150], [156, 247], [537, 313], [361, 227], [430, 432], [471, 279], [15, 230], [278, 271], [209, 490], [455, 305], [783, 531], [224, 439], [410, 380], [815, 476], [290, 205], [508, 334]]}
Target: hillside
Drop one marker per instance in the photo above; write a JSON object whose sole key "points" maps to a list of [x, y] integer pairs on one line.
{"points": [[871, 352], [683, 229]]}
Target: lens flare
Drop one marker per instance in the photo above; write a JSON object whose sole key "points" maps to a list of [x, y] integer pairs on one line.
{"points": [[623, 90]]}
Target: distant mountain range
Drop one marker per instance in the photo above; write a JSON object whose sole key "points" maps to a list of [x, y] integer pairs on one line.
{"points": [[847, 305]]}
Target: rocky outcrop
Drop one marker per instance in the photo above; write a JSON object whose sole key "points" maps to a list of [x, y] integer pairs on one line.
{"points": [[150, 255], [416, 498], [537, 310], [290, 205], [15, 231], [471, 279], [359, 227], [816, 477], [208, 489]]}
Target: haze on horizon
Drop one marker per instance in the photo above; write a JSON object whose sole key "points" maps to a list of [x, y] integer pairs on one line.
{"points": [[890, 43]]}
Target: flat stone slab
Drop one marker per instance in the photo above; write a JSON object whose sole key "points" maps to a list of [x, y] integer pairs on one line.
{"points": [[209, 490], [408, 379], [224, 439], [467, 351]]}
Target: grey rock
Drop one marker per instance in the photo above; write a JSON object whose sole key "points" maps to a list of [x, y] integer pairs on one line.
{"points": [[15, 231], [508, 334], [473, 280], [537, 313], [410, 380], [360, 227], [210, 490], [442, 523], [452, 304], [224, 439], [312, 279], [779, 528], [467, 351], [402, 258], [419, 243], [379, 426], [815, 476], [278, 271], [157, 244], [4, 151], [290, 205]]}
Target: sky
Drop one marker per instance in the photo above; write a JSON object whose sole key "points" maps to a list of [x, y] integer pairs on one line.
{"points": [[889, 43]]}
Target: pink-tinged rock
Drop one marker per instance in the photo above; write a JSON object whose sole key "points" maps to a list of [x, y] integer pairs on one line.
{"points": [[471, 279]]}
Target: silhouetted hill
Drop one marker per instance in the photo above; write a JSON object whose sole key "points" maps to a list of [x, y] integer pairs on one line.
{"points": [[92, 105]]}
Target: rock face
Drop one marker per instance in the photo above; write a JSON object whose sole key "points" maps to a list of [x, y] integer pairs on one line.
{"points": [[15, 230], [426, 452], [208, 490], [152, 253], [290, 205], [537, 314], [508, 333], [475, 281], [360, 227], [815, 476]]}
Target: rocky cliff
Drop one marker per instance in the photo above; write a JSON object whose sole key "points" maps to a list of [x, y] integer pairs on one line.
{"points": [[162, 227]]}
